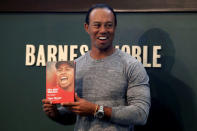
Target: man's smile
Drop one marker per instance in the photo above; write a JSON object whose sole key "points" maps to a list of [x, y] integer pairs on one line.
{"points": [[102, 37], [64, 79]]}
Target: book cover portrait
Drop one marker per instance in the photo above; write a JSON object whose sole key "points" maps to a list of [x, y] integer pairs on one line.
{"points": [[60, 81]]}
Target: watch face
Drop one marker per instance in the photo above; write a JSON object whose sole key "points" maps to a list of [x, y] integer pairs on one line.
{"points": [[100, 115]]}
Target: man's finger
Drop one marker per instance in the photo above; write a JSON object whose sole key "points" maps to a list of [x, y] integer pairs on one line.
{"points": [[77, 98], [45, 101], [70, 104], [76, 111], [74, 108], [71, 109], [46, 109], [48, 106]]}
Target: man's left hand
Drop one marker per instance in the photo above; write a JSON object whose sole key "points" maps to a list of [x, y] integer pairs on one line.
{"points": [[80, 106]]}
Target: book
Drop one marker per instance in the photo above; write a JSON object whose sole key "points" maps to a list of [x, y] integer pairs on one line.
{"points": [[60, 81]]}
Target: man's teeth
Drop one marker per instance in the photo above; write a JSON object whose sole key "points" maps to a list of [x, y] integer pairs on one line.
{"points": [[102, 38], [64, 78]]}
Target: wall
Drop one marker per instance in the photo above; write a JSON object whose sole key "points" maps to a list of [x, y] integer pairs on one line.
{"points": [[173, 86]]}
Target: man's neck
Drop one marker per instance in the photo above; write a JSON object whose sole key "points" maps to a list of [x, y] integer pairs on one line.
{"points": [[100, 54]]}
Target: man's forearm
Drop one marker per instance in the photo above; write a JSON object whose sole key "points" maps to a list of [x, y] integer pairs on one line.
{"points": [[108, 112]]}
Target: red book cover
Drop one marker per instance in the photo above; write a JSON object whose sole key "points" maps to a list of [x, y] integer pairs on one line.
{"points": [[60, 81]]}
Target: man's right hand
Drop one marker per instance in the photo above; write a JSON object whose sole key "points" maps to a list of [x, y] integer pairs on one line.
{"points": [[50, 109]]}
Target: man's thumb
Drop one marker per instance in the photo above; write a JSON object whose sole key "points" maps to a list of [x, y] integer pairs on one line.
{"points": [[77, 97]]}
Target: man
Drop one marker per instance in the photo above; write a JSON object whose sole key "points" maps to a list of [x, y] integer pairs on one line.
{"points": [[65, 75], [112, 86]]}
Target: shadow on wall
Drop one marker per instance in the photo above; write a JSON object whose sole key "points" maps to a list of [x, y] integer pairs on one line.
{"points": [[172, 101]]}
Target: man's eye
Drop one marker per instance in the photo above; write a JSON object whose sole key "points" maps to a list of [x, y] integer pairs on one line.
{"points": [[96, 25], [59, 70], [109, 25], [67, 69]]}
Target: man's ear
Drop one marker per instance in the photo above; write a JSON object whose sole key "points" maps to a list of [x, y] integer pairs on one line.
{"points": [[86, 26]]}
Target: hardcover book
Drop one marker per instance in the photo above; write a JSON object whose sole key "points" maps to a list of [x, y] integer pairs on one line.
{"points": [[60, 81]]}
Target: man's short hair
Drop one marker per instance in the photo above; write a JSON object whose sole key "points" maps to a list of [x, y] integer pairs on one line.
{"points": [[70, 63], [87, 20]]}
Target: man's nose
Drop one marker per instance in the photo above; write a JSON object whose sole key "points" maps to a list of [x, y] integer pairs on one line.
{"points": [[63, 72], [103, 29]]}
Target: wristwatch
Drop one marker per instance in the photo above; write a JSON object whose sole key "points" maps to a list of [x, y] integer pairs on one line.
{"points": [[100, 113]]}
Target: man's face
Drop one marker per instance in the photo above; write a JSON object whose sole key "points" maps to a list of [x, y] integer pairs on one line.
{"points": [[65, 76], [101, 28]]}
